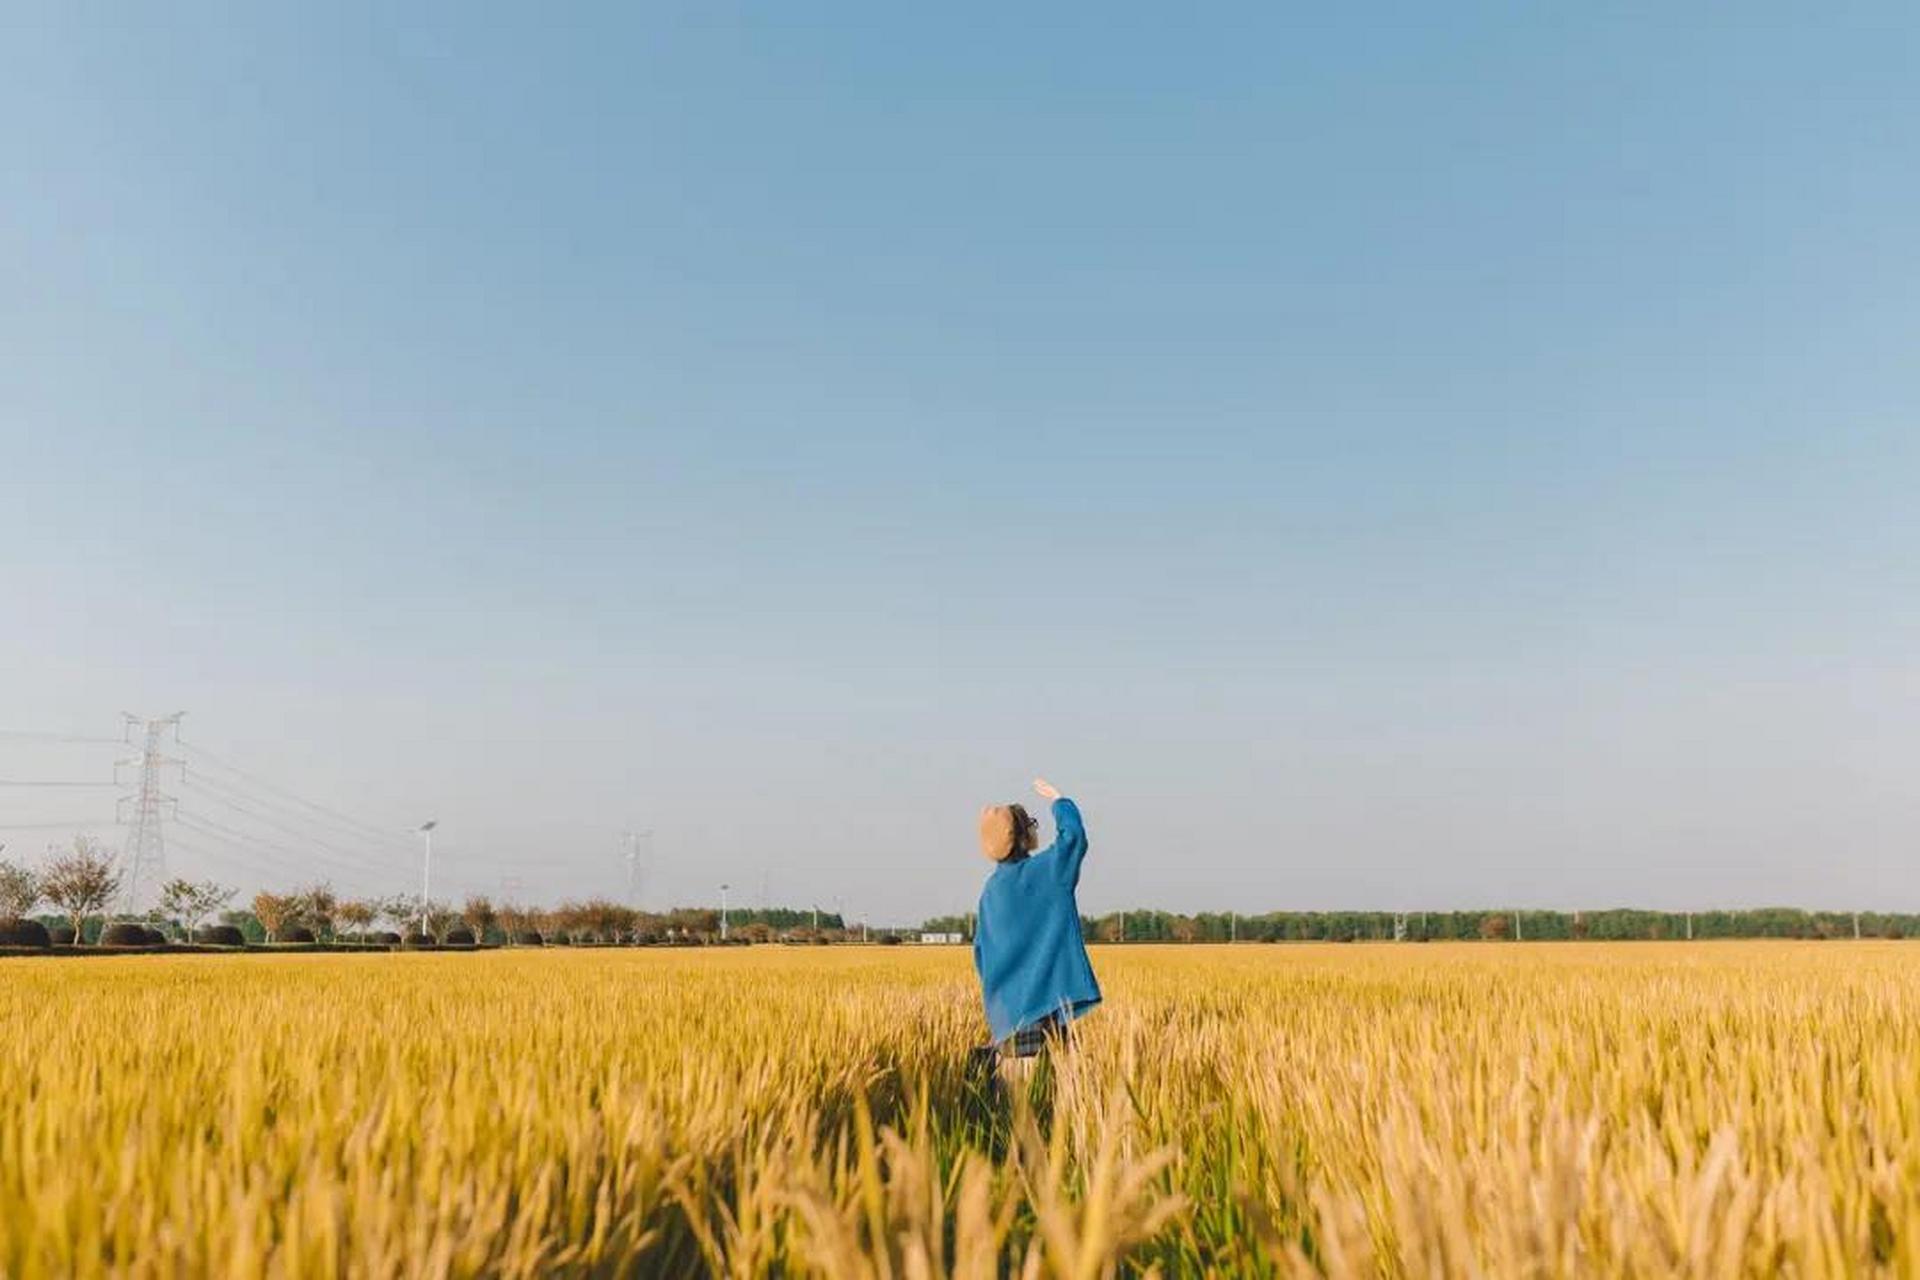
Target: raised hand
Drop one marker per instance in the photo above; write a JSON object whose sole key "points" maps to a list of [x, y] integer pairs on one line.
{"points": [[1046, 789]]}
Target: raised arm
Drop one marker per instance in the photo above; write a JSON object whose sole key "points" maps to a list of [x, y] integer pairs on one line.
{"points": [[1069, 847]]}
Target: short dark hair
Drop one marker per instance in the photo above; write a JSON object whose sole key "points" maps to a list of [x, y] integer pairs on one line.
{"points": [[1026, 831]]}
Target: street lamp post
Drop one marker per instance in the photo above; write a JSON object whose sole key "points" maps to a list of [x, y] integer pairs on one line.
{"points": [[426, 867]]}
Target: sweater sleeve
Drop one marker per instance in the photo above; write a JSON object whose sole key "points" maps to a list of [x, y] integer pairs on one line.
{"points": [[1069, 847]]}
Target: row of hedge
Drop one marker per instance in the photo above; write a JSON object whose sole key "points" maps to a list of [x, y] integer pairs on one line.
{"points": [[32, 935]]}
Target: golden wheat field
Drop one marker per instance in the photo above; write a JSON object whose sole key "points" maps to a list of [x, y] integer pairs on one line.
{"points": [[1496, 1110]]}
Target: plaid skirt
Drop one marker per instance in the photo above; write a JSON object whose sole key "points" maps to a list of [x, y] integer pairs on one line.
{"points": [[1029, 1042]]}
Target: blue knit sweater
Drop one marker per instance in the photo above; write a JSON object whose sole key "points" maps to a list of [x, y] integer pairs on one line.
{"points": [[1027, 947]]}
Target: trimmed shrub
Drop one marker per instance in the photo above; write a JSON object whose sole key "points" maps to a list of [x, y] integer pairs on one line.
{"points": [[419, 942], [385, 939], [528, 938], [298, 933], [219, 935], [62, 935], [460, 938], [24, 933], [155, 938], [124, 934]]}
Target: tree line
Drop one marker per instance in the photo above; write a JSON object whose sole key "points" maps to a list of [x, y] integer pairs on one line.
{"points": [[1614, 924], [81, 884]]}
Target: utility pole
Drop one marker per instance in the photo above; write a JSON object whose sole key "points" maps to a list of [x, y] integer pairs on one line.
{"points": [[723, 913], [145, 853], [1689, 926], [1518, 936], [426, 867], [1233, 926], [630, 842], [1856, 926]]}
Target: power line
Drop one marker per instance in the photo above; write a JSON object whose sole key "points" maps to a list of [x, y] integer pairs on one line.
{"points": [[266, 850], [224, 851], [253, 856], [229, 794], [304, 856], [78, 824], [294, 861], [50, 782], [371, 829], [201, 790], [31, 735]]}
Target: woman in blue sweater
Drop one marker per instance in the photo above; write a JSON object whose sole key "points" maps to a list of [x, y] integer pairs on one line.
{"points": [[1034, 974]]}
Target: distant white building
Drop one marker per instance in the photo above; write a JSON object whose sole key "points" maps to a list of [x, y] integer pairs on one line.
{"points": [[942, 938]]}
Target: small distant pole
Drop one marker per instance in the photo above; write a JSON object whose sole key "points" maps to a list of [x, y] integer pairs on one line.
{"points": [[1519, 935], [630, 846], [1689, 926], [1233, 926], [723, 913], [1856, 926], [426, 867]]}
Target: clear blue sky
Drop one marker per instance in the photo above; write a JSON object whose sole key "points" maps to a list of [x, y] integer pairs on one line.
{"points": [[1437, 456]]}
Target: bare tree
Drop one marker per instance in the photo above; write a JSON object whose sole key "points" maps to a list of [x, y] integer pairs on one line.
{"points": [[571, 917], [358, 915], [81, 882], [19, 891], [607, 920], [319, 906], [275, 912], [440, 921], [480, 916], [694, 922], [514, 921]]}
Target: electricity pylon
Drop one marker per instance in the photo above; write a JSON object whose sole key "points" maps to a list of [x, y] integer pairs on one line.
{"points": [[630, 842], [144, 857]]}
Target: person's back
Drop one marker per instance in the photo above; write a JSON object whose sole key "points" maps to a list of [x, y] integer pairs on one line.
{"points": [[1027, 946]]}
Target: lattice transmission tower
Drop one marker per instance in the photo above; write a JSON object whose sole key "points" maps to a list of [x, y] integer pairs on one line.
{"points": [[631, 843], [144, 859]]}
